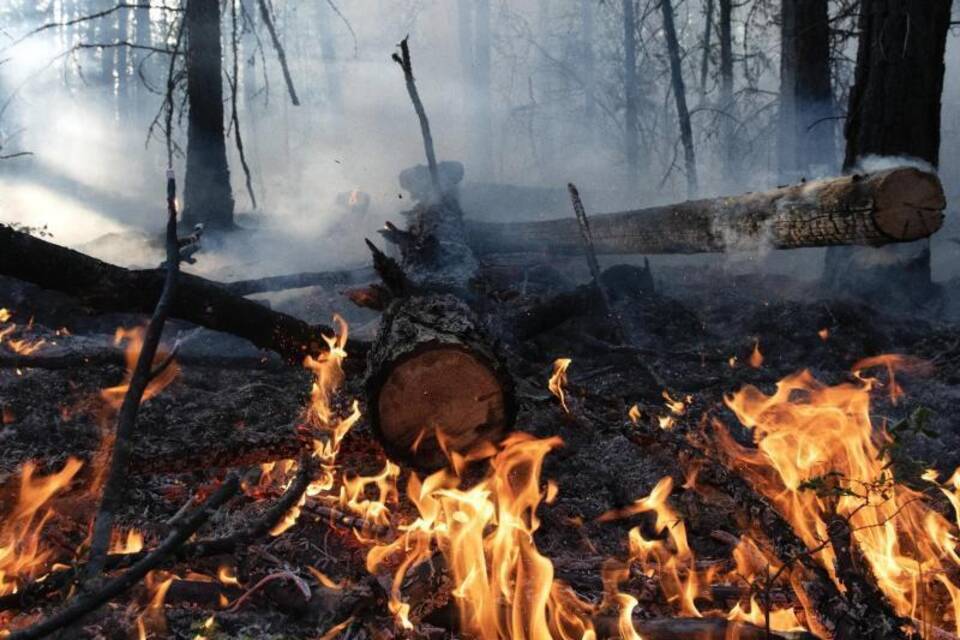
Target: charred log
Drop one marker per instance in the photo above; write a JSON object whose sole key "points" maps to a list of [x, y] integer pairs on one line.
{"points": [[108, 287], [433, 381], [897, 205]]}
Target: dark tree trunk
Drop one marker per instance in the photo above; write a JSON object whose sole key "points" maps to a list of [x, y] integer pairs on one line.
{"points": [[631, 132], [894, 110], [728, 153], [806, 144], [705, 61], [207, 195], [680, 95]]}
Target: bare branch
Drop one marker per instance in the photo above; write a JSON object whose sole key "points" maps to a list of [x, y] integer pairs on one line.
{"points": [[281, 55]]}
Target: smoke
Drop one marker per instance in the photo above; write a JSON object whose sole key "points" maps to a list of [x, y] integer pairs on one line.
{"points": [[96, 186]]}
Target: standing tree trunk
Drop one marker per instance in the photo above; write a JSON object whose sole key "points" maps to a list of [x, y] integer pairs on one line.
{"points": [[465, 40], [680, 95], [123, 63], [705, 61], [631, 132], [894, 110], [144, 39], [727, 142], [806, 144], [207, 195]]}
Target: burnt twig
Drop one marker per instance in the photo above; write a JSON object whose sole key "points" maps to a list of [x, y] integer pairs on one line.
{"points": [[281, 54], [403, 59], [115, 486], [89, 602]]}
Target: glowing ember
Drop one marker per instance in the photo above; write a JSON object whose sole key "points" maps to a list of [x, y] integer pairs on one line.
{"points": [[22, 346], [559, 380], [824, 334], [756, 358]]}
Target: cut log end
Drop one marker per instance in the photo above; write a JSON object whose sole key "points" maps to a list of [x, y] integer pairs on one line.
{"points": [[434, 384], [909, 204], [442, 397]]}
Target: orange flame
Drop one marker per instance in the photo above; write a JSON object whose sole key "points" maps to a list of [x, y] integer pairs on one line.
{"points": [[756, 358], [558, 381], [818, 457], [22, 555]]}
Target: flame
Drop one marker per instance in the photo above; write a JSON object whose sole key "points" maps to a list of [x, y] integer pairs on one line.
{"points": [[22, 556], [559, 380], [226, 576], [672, 558], [818, 456], [756, 358], [134, 341], [634, 414], [503, 587], [152, 619], [133, 543], [824, 334], [22, 346]]}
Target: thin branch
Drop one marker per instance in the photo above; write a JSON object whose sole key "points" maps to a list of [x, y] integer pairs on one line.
{"points": [[115, 486], [87, 602], [353, 34], [19, 154], [403, 59], [281, 55], [92, 16], [234, 115]]}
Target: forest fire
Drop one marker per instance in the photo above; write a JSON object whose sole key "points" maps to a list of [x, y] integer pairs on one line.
{"points": [[205, 454]]}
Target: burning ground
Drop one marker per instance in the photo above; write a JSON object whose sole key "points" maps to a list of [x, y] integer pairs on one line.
{"points": [[651, 497]]}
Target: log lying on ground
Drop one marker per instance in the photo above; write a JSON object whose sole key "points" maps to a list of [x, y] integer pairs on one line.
{"points": [[298, 280], [897, 205], [433, 381], [108, 287]]}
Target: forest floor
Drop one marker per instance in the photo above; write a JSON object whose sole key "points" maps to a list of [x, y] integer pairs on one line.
{"points": [[697, 336]]}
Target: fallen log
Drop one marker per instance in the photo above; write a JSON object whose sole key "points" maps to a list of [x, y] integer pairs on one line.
{"points": [[897, 205], [433, 382], [108, 287], [299, 280]]}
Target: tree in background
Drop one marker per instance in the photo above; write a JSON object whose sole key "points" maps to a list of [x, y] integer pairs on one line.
{"points": [[806, 144], [207, 197], [894, 110]]}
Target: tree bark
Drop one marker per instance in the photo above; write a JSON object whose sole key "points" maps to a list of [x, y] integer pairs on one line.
{"points": [[806, 144], [680, 95], [208, 198], [897, 205], [108, 287], [728, 144], [630, 123], [894, 110], [705, 61], [433, 382]]}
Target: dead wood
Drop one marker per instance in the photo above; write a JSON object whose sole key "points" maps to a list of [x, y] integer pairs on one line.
{"points": [[707, 629], [281, 54], [114, 488], [90, 601], [299, 280], [403, 59], [897, 205], [30, 594], [838, 615], [102, 357], [107, 287]]}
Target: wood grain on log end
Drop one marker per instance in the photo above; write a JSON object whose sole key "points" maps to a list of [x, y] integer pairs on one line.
{"points": [[909, 204], [433, 382]]}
